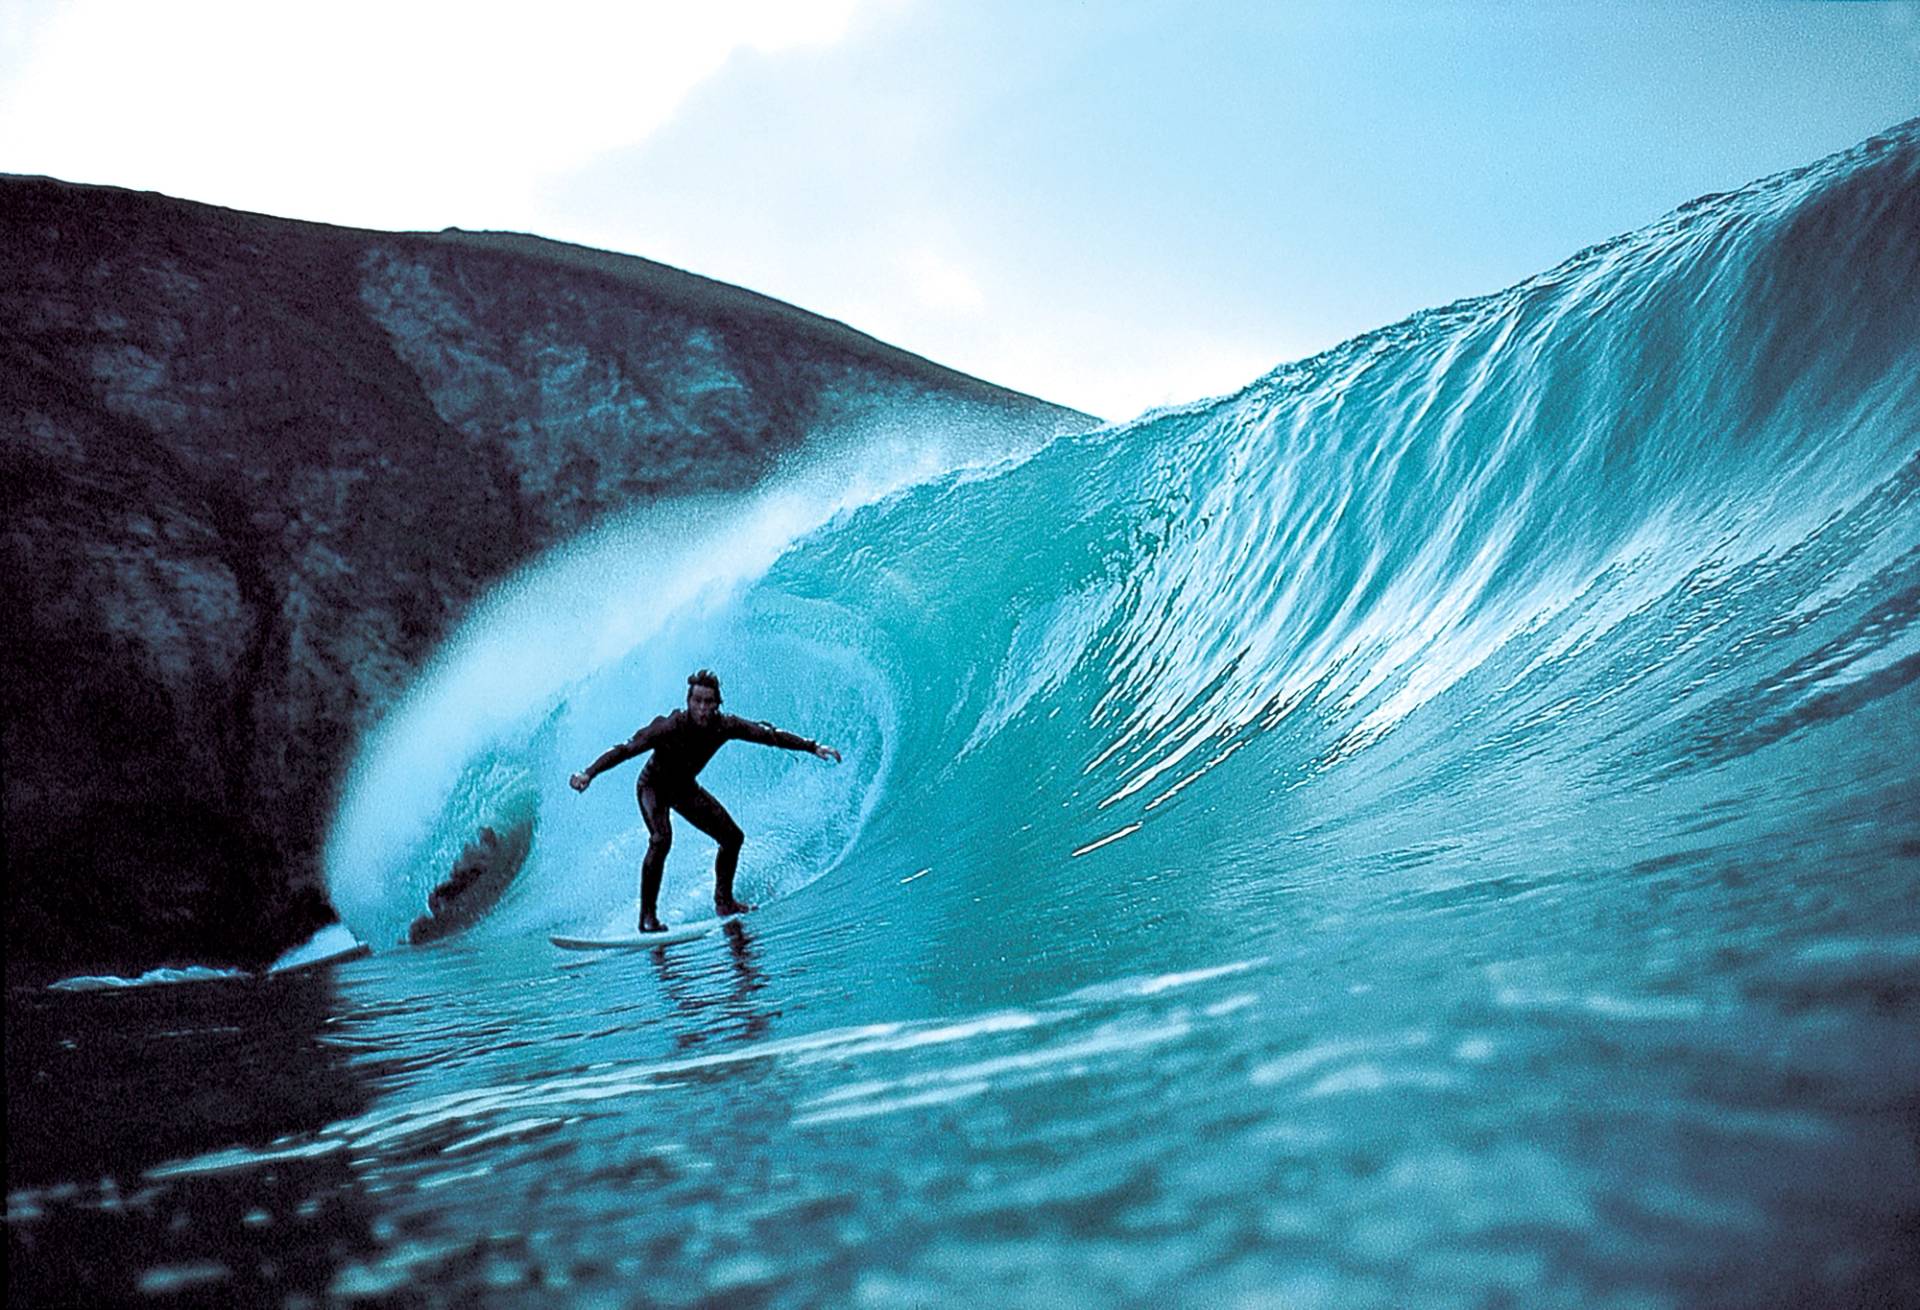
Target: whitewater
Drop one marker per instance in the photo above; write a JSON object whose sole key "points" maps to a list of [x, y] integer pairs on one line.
{"points": [[1440, 826]]}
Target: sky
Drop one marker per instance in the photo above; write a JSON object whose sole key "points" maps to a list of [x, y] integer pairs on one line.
{"points": [[1113, 204]]}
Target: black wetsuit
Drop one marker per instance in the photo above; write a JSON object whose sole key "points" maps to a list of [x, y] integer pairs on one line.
{"points": [[681, 748]]}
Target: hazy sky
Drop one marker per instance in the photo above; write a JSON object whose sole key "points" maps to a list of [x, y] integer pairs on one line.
{"points": [[1111, 204]]}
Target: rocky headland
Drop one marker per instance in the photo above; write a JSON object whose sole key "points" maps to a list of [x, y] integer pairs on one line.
{"points": [[258, 469]]}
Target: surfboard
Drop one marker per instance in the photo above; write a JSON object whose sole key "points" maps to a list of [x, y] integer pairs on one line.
{"points": [[685, 932]]}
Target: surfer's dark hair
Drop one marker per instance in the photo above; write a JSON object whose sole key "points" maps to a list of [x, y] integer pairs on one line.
{"points": [[704, 678]]}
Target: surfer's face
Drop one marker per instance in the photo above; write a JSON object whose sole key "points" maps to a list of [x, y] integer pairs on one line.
{"points": [[702, 703]]}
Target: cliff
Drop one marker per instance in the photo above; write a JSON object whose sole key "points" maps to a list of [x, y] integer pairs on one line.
{"points": [[257, 469]]}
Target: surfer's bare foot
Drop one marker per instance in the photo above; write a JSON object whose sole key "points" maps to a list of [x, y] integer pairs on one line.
{"points": [[729, 906], [651, 923]]}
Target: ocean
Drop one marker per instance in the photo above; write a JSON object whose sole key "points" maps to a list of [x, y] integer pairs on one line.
{"points": [[1438, 827]]}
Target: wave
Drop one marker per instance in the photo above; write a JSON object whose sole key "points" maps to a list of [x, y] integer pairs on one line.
{"points": [[1573, 573]]}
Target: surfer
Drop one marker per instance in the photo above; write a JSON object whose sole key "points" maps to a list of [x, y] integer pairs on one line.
{"points": [[682, 742]]}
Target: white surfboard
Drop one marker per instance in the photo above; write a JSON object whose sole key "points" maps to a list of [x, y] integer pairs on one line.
{"points": [[627, 941]]}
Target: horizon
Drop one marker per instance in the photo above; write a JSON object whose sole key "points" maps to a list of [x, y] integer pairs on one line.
{"points": [[1116, 215]]}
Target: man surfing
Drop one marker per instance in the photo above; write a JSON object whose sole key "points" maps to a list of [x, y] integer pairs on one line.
{"points": [[682, 742]]}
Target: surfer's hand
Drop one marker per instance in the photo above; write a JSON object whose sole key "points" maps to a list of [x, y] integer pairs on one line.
{"points": [[827, 753], [579, 781]]}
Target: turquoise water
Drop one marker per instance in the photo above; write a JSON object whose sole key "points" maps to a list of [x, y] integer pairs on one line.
{"points": [[1437, 827]]}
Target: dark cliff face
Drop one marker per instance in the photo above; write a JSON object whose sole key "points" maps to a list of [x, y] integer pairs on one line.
{"points": [[257, 469]]}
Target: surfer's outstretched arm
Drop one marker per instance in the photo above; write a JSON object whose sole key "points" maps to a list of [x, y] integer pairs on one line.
{"points": [[638, 744], [765, 734]]}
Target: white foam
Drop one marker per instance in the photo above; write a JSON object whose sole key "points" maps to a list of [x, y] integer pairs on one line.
{"points": [[88, 982]]}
